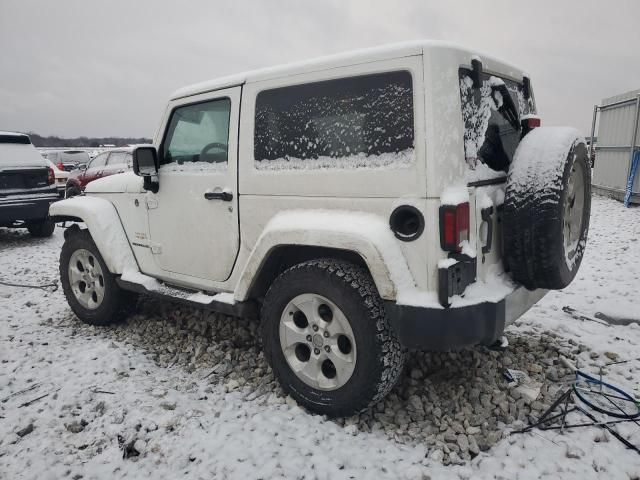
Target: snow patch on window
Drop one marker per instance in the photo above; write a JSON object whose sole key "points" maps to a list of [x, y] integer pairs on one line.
{"points": [[475, 116], [478, 106], [191, 167], [383, 161]]}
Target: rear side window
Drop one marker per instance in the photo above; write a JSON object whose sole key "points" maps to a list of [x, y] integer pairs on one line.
{"points": [[364, 121], [491, 134]]}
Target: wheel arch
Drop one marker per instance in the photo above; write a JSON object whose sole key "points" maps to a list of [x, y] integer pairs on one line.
{"points": [[284, 256], [103, 222], [296, 236]]}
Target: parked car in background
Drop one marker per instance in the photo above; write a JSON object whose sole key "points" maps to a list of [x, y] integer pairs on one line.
{"points": [[61, 178], [67, 160], [106, 163], [27, 186]]}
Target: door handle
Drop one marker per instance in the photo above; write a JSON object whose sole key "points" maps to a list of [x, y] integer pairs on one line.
{"points": [[225, 196], [486, 215]]}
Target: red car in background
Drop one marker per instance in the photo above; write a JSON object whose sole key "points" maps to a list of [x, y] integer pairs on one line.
{"points": [[118, 160]]}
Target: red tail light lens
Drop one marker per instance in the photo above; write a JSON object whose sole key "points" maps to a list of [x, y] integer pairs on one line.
{"points": [[60, 166], [534, 122], [528, 123], [51, 177], [454, 226]]}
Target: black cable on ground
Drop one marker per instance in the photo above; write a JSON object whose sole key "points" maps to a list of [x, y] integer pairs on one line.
{"points": [[20, 285]]}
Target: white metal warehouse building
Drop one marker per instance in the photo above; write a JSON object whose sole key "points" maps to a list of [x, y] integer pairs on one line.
{"points": [[618, 137]]}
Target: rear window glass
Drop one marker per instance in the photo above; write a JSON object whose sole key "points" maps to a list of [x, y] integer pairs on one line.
{"points": [[364, 121], [20, 139], [490, 135], [79, 156]]}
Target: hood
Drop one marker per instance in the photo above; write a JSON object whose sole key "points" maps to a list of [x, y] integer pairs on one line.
{"points": [[120, 183]]}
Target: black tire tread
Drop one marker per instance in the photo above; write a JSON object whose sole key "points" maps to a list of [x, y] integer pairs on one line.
{"points": [[532, 229], [117, 304], [390, 363]]}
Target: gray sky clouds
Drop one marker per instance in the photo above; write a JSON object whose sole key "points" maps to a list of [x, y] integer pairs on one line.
{"points": [[93, 68]]}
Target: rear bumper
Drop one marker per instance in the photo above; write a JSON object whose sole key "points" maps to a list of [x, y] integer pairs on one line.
{"points": [[26, 207], [454, 328]]}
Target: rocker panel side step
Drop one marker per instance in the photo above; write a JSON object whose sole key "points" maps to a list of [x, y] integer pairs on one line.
{"points": [[246, 309]]}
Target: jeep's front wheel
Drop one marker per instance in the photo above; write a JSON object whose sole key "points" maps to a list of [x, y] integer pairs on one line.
{"points": [[327, 339], [90, 288]]}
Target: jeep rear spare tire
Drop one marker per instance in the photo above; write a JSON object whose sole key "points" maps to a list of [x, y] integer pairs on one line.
{"points": [[547, 207], [327, 339]]}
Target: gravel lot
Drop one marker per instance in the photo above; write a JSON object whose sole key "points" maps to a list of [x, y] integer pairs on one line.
{"points": [[177, 391]]}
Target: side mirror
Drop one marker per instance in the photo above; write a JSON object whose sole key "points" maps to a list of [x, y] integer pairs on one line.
{"points": [[145, 165], [83, 166], [145, 161]]}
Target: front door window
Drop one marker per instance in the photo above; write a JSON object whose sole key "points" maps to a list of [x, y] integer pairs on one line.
{"points": [[198, 135]]}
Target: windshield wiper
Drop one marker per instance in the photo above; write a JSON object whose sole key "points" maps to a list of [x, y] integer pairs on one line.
{"points": [[508, 109]]}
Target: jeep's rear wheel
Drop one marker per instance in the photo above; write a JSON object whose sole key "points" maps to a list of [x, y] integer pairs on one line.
{"points": [[90, 288], [327, 339]]}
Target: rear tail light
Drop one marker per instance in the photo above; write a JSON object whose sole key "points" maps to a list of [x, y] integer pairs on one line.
{"points": [[51, 177], [530, 122], [60, 166], [533, 122], [454, 226]]}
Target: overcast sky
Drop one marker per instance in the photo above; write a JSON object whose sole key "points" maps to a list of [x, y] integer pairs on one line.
{"points": [[92, 68]]}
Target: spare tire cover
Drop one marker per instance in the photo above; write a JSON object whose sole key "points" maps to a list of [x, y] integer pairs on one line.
{"points": [[547, 207]]}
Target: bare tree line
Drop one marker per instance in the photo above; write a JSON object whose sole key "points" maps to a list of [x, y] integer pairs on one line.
{"points": [[90, 142]]}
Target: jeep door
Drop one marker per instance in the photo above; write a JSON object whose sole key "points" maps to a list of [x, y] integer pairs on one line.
{"points": [[193, 218]]}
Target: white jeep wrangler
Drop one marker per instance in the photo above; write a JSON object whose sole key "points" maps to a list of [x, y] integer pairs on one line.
{"points": [[358, 205]]}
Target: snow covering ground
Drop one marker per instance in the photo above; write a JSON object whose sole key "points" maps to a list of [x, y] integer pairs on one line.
{"points": [[106, 390]]}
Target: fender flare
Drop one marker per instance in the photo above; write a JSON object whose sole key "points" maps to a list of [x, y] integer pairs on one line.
{"points": [[365, 234], [105, 227]]}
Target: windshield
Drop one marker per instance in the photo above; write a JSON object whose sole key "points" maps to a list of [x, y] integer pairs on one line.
{"points": [[491, 116]]}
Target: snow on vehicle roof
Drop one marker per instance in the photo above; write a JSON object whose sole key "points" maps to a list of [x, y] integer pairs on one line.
{"points": [[7, 134], [367, 55]]}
